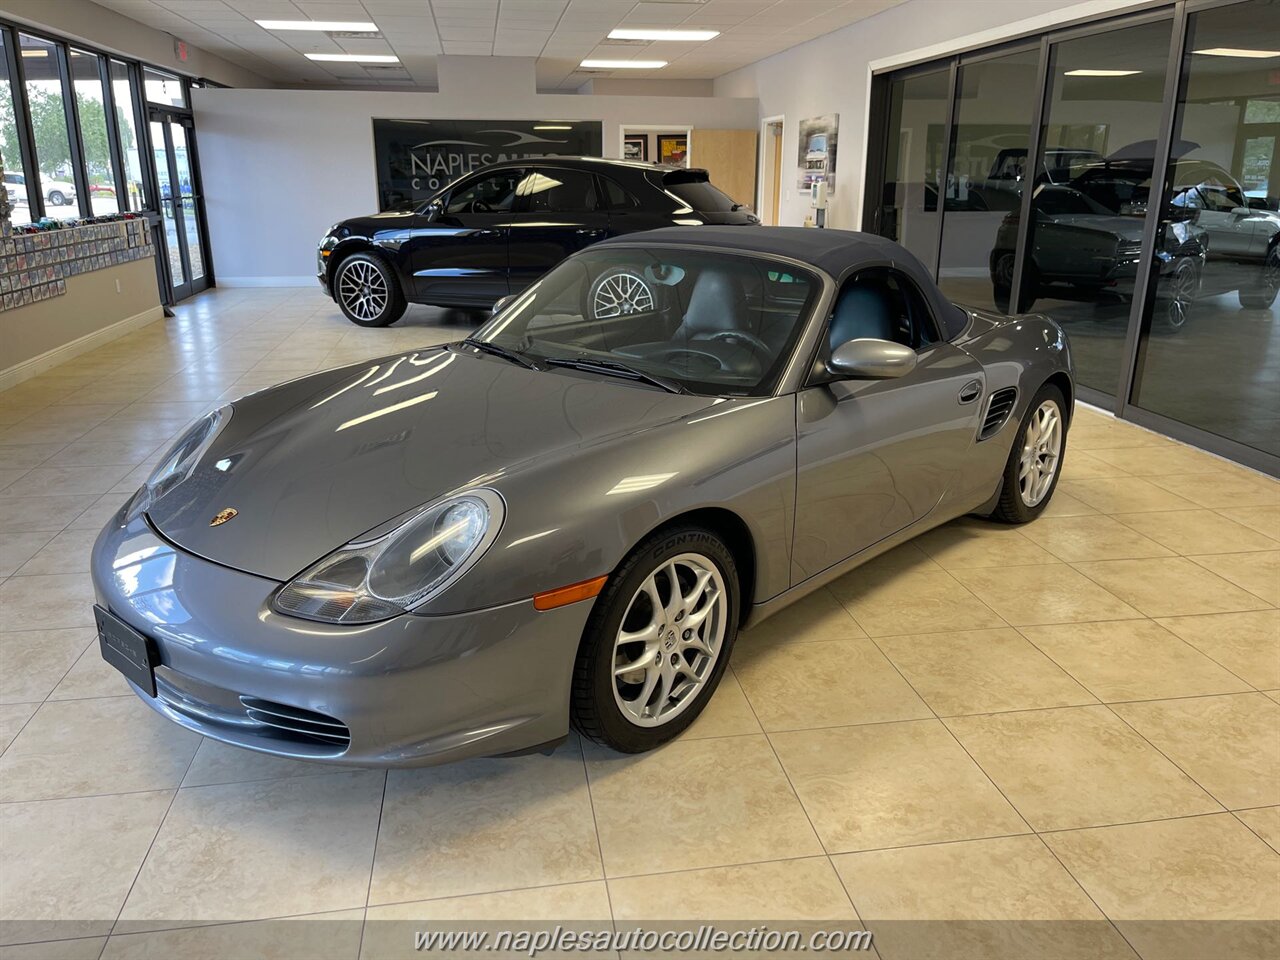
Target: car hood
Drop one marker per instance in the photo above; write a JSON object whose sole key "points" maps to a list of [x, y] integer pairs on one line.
{"points": [[313, 463], [1126, 228]]}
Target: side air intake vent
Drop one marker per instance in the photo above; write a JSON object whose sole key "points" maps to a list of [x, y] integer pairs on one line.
{"points": [[999, 406], [296, 723]]}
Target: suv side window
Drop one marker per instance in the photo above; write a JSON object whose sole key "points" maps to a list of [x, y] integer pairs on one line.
{"points": [[551, 190], [493, 193], [615, 197]]}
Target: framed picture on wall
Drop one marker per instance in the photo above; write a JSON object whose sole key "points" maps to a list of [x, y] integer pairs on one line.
{"points": [[673, 148], [635, 147]]}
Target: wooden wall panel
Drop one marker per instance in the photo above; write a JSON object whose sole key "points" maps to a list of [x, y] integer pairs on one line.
{"points": [[730, 157]]}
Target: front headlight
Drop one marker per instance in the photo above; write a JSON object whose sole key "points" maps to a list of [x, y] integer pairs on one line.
{"points": [[180, 460], [376, 578]]}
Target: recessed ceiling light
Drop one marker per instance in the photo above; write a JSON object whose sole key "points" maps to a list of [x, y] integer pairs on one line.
{"points": [[645, 33], [353, 57], [1102, 73], [1237, 52], [623, 64], [552, 126], [327, 26]]}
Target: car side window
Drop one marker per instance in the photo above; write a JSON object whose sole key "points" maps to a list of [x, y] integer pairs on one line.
{"points": [[615, 197], [550, 190], [493, 193], [880, 303]]}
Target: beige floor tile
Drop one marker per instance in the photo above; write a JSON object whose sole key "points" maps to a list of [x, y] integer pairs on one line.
{"points": [[818, 616], [91, 676], [1080, 465], [47, 603], [97, 453], [35, 514], [98, 512], [34, 661], [1078, 767], [17, 548], [13, 716], [1109, 433], [389, 930], [892, 784], [1006, 897], [1223, 490], [252, 851], [784, 890], [1259, 573], [830, 684], [1095, 537], [1230, 745], [1125, 495], [1048, 593], [1189, 888], [88, 948], [716, 803], [1168, 587], [981, 671], [49, 481], [1195, 531], [904, 592], [325, 936], [966, 543], [1132, 660], [28, 454], [486, 825], [67, 552], [216, 762], [1265, 520], [1062, 504], [1162, 460], [68, 864], [727, 715], [1247, 644], [77, 748], [1265, 822]]}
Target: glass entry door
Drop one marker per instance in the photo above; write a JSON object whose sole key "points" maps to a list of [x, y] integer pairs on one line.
{"points": [[179, 203]]}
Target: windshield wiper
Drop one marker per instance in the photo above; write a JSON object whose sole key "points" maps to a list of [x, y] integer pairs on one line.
{"points": [[486, 346], [602, 365]]}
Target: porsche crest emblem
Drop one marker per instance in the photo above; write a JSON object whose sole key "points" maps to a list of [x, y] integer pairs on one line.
{"points": [[222, 516]]}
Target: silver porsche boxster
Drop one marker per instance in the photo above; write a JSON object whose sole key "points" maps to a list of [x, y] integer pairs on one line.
{"points": [[565, 518]]}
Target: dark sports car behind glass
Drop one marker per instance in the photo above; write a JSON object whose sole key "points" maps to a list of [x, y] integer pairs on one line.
{"points": [[500, 228]]}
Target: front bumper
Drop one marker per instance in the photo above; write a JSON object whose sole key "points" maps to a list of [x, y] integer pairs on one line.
{"points": [[405, 692]]}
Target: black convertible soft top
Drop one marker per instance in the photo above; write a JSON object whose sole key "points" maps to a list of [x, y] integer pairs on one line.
{"points": [[836, 252]]}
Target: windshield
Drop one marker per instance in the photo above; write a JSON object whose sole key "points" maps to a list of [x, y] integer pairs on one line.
{"points": [[714, 323]]}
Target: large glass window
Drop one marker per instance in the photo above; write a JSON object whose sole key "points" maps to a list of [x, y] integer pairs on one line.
{"points": [[163, 88], [15, 174], [86, 79], [908, 209], [1090, 194], [127, 129], [45, 99], [986, 178], [1211, 344]]}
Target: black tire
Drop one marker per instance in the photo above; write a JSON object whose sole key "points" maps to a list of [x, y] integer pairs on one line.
{"points": [[1263, 295], [57, 198], [594, 710], [645, 299], [366, 310], [1011, 507]]}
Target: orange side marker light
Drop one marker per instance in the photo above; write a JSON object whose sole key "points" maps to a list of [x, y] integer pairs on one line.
{"points": [[562, 596]]}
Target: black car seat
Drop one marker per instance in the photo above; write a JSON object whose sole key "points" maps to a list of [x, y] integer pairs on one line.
{"points": [[863, 311]]}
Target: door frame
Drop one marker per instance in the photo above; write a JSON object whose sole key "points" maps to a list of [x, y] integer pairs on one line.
{"points": [[165, 116], [763, 183]]}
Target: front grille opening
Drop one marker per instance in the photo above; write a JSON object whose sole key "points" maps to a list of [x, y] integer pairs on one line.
{"points": [[999, 405], [296, 723]]}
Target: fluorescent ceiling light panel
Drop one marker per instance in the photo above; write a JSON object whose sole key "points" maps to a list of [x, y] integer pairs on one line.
{"points": [[623, 64], [37, 52], [353, 57], [553, 126], [1102, 73], [645, 33], [1238, 52], [326, 26]]}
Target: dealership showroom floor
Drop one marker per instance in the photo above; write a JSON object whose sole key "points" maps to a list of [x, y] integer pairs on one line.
{"points": [[1060, 723]]}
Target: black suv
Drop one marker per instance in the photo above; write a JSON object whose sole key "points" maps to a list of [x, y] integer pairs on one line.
{"points": [[498, 229]]}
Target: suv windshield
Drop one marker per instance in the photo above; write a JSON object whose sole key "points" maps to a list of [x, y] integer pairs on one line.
{"points": [[713, 323]]}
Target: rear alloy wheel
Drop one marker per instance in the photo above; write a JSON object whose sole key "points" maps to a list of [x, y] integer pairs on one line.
{"points": [[619, 293], [1180, 293], [657, 642], [1263, 295], [1035, 462], [367, 291]]}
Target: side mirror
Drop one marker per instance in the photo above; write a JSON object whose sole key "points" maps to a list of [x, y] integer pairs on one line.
{"points": [[1242, 211], [503, 302], [433, 210], [867, 359]]}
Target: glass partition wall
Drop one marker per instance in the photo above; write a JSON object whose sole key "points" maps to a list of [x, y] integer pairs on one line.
{"points": [[1122, 177]]}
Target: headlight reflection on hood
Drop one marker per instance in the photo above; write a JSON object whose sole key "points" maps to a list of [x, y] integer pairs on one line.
{"points": [[180, 460], [377, 578]]}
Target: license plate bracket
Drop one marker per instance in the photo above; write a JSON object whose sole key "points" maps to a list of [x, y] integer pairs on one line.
{"points": [[126, 649]]}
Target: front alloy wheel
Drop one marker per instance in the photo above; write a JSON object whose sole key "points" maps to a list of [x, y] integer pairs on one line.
{"points": [[367, 291], [1035, 462], [657, 641]]}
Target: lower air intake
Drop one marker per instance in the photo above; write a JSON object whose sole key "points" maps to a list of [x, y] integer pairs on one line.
{"points": [[296, 723]]}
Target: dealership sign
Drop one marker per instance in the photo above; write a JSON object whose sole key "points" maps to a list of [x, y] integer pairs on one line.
{"points": [[416, 158]]}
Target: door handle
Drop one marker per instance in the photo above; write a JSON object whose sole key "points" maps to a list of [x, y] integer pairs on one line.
{"points": [[588, 232], [971, 391], [485, 233]]}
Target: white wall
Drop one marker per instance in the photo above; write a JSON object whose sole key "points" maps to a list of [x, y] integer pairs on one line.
{"points": [[831, 75], [280, 166]]}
